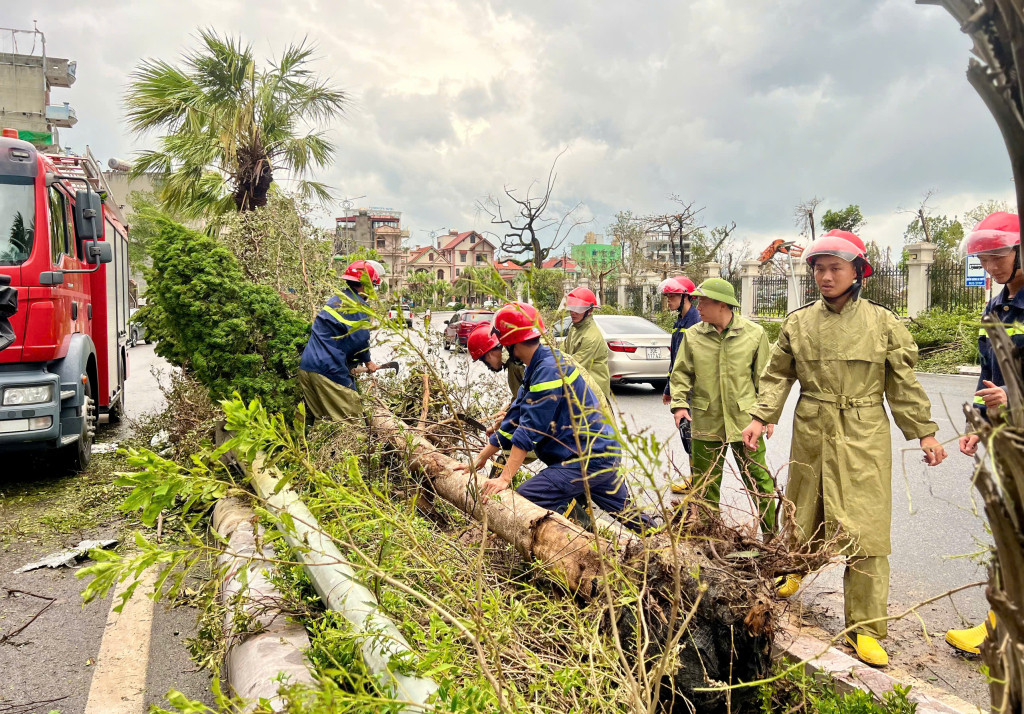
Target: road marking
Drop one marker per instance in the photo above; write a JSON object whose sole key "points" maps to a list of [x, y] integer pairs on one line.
{"points": [[119, 681]]}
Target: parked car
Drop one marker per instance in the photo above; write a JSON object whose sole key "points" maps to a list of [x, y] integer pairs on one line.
{"points": [[639, 348], [397, 313], [461, 324], [136, 331]]}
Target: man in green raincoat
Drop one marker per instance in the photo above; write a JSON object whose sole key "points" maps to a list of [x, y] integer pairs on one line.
{"points": [[584, 341], [848, 355], [720, 360]]}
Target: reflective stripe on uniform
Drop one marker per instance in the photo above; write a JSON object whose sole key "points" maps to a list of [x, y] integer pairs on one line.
{"points": [[1011, 330], [555, 383], [505, 434], [979, 400]]}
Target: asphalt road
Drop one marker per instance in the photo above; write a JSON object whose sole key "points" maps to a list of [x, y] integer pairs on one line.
{"points": [[50, 665], [936, 527]]}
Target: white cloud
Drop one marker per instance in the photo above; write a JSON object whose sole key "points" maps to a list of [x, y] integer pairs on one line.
{"points": [[745, 108]]}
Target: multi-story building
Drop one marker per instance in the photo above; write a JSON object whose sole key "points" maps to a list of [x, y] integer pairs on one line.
{"points": [[359, 230], [451, 256], [25, 84]]}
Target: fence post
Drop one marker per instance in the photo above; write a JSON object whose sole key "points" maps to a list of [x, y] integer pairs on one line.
{"points": [[623, 282], [713, 269], [795, 286], [920, 256], [749, 269]]}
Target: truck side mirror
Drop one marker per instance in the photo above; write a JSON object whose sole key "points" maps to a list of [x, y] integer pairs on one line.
{"points": [[88, 216], [97, 252]]}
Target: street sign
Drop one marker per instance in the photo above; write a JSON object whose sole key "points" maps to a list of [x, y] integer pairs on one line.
{"points": [[974, 276]]}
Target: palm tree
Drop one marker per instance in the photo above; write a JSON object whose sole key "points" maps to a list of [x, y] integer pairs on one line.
{"points": [[229, 125]]}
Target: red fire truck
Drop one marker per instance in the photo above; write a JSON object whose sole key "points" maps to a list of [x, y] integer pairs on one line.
{"points": [[64, 246]]}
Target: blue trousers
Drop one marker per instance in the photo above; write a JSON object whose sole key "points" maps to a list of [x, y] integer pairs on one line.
{"points": [[556, 486]]}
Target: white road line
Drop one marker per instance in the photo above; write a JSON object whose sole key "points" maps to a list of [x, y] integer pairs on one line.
{"points": [[119, 681]]}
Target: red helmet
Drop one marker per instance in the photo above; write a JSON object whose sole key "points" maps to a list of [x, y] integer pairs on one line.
{"points": [[998, 233], [360, 268], [517, 322], [680, 285], [841, 244], [581, 300], [481, 341]]}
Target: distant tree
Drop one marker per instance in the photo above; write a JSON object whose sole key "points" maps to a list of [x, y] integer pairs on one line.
{"points": [[679, 225], [847, 219], [231, 124], [974, 216], [946, 233], [528, 227], [803, 216], [630, 234]]}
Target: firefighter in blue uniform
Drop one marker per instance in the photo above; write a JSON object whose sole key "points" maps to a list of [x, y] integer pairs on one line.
{"points": [[996, 242], [677, 292], [558, 417], [339, 342]]}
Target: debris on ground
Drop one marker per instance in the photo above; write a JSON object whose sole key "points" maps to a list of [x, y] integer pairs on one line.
{"points": [[67, 558]]}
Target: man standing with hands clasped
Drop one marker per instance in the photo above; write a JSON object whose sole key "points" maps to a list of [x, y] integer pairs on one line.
{"points": [[848, 355], [720, 359]]}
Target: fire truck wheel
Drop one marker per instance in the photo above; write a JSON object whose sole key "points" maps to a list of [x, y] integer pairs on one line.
{"points": [[75, 457]]}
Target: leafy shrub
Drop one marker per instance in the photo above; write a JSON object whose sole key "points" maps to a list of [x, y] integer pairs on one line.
{"points": [[772, 328], [946, 339], [206, 317]]}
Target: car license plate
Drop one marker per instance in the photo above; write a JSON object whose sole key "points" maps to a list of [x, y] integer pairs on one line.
{"points": [[653, 353]]}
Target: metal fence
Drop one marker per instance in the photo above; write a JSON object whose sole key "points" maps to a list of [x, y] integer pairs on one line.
{"points": [[947, 290], [611, 296], [634, 299], [771, 295], [888, 286]]}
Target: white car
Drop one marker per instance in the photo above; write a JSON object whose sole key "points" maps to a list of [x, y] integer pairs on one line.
{"points": [[397, 313], [640, 350]]}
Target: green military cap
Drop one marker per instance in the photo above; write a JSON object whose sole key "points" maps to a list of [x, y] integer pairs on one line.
{"points": [[717, 289]]}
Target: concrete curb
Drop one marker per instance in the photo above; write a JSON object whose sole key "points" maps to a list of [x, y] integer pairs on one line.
{"points": [[850, 673], [256, 663]]}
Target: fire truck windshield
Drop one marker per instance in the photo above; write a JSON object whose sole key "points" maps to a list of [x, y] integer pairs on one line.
{"points": [[17, 219]]}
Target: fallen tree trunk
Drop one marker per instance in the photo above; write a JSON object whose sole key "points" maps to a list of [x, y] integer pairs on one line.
{"points": [[717, 629]]}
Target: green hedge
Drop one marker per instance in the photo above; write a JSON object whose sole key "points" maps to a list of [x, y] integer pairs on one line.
{"points": [[206, 317]]}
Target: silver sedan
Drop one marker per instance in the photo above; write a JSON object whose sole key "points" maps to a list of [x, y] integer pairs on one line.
{"points": [[639, 348]]}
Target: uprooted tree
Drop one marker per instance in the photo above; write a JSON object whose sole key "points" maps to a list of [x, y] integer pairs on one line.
{"points": [[997, 73]]}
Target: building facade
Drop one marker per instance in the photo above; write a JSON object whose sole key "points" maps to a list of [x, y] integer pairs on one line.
{"points": [[25, 84]]}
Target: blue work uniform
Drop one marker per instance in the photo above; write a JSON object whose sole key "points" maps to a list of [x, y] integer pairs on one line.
{"points": [[682, 324], [340, 339], [1011, 313], [558, 417]]}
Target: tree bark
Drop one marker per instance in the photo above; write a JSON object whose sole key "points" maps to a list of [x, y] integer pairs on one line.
{"points": [[727, 639]]}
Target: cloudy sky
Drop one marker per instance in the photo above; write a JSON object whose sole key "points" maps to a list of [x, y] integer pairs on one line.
{"points": [[746, 107]]}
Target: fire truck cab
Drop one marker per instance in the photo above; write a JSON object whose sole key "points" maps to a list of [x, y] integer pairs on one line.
{"points": [[64, 246]]}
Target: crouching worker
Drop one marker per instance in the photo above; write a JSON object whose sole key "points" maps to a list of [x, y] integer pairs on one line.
{"points": [[557, 416], [338, 343]]}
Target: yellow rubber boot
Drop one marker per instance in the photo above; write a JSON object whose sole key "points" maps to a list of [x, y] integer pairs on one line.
{"points": [[970, 640], [868, 650], [787, 586]]}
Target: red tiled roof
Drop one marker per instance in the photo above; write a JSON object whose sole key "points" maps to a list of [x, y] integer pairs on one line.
{"points": [[507, 265], [567, 263], [456, 240]]}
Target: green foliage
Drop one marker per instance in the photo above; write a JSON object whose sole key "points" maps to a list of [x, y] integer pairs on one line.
{"points": [[144, 228], [277, 246], [230, 123], [847, 219], [945, 339], [772, 328], [545, 287], [946, 234], [206, 317], [974, 216], [796, 691]]}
